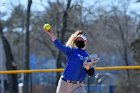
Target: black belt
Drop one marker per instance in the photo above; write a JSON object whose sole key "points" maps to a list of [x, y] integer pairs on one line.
{"points": [[73, 82]]}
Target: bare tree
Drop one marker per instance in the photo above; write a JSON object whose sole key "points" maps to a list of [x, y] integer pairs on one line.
{"points": [[121, 24], [61, 37], [10, 63], [15, 33], [27, 45], [135, 45]]}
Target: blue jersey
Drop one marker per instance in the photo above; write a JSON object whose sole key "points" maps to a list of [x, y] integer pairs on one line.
{"points": [[74, 69]]}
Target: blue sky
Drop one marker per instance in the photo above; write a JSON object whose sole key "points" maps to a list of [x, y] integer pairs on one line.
{"points": [[7, 5]]}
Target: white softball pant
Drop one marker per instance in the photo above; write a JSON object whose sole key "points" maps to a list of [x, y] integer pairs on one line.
{"points": [[65, 87]]}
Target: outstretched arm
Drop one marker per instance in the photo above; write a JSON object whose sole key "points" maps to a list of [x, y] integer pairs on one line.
{"points": [[58, 44], [51, 34]]}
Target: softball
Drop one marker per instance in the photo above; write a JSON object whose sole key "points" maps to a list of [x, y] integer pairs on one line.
{"points": [[47, 27]]}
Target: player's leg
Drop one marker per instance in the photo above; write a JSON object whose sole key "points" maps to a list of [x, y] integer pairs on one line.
{"points": [[79, 89], [63, 87]]}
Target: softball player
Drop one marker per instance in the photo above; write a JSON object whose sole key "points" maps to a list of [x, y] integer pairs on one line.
{"points": [[77, 67]]}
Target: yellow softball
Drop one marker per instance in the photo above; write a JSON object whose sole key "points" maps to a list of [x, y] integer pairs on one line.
{"points": [[47, 27]]}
